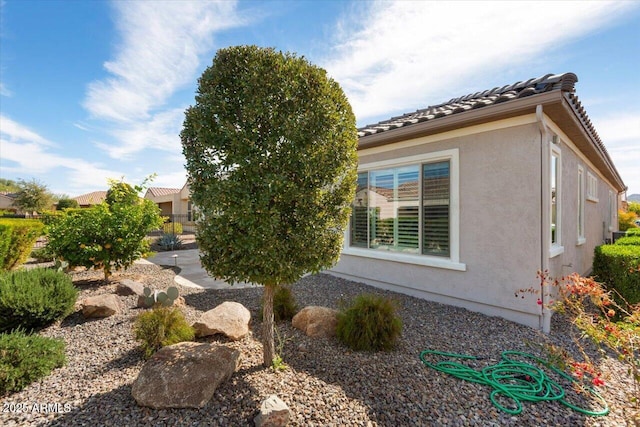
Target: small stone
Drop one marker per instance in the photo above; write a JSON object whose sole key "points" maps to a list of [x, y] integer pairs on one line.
{"points": [[273, 413], [101, 306]]}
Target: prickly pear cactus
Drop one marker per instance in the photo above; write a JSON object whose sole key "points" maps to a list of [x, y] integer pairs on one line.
{"points": [[165, 299]]}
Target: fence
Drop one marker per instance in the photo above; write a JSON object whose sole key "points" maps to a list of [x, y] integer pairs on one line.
{"points": [[179, 224]]}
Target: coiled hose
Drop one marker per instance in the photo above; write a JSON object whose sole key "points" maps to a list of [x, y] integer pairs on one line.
{"points": [[513, 379]]}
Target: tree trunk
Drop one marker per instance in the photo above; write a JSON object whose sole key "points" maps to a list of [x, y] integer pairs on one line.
{"points": [[268, 346]]}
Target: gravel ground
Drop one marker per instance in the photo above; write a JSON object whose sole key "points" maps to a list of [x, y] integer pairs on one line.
{"points": [[324, 384]]}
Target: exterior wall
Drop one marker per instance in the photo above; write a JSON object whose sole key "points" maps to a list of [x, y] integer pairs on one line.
{"points": [[500, 217], [165, 208]]}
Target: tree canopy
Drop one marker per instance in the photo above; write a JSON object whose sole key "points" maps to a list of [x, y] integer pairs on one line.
{"points": [[33, 196], [271, 157]]}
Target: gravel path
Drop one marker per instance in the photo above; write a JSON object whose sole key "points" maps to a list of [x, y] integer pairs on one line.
{"points": [[325, 384]]}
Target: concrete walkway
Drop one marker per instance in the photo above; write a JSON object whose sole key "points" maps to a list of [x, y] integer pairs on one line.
{"points": [[191, 272]]}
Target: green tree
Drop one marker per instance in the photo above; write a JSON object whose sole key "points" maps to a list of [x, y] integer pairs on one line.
{"points": [[271, 157], [65, 203], [635, 208], [105, 236], [33, 196], [9, 185]]}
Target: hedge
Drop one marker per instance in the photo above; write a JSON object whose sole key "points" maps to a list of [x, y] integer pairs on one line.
{"points": [[629, 240], [618, 267], [17, 237], [633, 232]]}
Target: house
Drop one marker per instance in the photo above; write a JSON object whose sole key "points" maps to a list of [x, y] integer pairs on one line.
{"points": [[6, 202], [463, 202], [90, 199], [176, 204]]}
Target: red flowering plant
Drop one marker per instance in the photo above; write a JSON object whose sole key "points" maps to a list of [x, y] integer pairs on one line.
{"points": [[609, 324]]}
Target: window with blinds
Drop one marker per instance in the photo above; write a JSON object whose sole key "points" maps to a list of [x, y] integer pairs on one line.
{"points": [[403, 209]]}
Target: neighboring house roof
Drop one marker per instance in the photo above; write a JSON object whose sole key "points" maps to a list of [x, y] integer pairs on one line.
{"points": [[553, 90], [93, 198], [162, 191]]}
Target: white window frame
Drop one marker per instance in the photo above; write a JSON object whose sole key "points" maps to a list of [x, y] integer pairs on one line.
{"points": [[613, 205], [581, 199], [453, 261], [556, 248], [592, 187]]}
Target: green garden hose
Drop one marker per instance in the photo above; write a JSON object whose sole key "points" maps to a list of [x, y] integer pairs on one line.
{"points": [[513, 379]]}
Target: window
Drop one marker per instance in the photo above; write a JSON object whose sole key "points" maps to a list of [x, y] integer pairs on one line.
{"points": [[406, 210], [612, 210], [592, 187], [580, 219], [556, 202]]}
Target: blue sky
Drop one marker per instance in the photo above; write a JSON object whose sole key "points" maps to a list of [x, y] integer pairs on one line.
{"points": [[91, 90]]}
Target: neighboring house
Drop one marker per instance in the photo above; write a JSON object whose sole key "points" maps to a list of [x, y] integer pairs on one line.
{"points": [[90, 199], [6, 202], [175, 203], [463, 202]]}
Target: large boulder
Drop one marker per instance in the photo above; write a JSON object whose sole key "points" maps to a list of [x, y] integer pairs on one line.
{"points": [[273, 413], [316, 321], [184, 375], [128, 287], [229, 318], [101, 306]]}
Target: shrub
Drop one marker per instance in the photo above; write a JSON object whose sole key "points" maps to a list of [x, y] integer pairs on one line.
{"points": [[17, 237], [618, 266], [630, 240], [172, 228], [169, 242], [32, 299], [43, 254], [626, 220], [369, 323], [27, 358], [284, 304], [161, 327], [633, 232]]}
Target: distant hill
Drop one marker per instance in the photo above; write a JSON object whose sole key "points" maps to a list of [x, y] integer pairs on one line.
{"points": [[633, 198]]}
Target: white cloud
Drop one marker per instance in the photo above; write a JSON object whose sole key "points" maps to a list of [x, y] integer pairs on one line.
{"points": [[392, 56], [159, 53], [29, 153], [621, 135], [4, 91]]}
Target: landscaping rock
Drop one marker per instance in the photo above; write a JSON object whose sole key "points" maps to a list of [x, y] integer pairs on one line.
{"points": [[128, 287], [316, 321], [101, 306], [184, 375], [229, 318], [273, 413]]}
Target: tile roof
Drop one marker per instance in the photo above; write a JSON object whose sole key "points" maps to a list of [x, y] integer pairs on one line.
{"points": [[93, 198], [161, 191], [564, 82], [9, 194]]}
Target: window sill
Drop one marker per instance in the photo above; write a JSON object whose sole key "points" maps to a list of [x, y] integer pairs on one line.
{"points": [[424, 260], [581, 241], [555, 251], [592, 199]]}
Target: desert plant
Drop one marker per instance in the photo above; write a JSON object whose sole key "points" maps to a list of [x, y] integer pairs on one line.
{"points": [[161, 327], [272, 115], [170, 242], [160, 298], [172, 228], [43, 254], [284, 304], [32, 299], [17, 237], [27, 358], [369, 323]]}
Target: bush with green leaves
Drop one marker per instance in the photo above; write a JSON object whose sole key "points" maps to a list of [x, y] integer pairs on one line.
{"points": [[33, 299], [105, 236], [170, 242], [271, 151], [17, 237], [160, 327], [66, 203], [618, 267], [43, 254], [284, 304], [633, 232], [369, 323], [27, 358], [630, 240], [172, 228]]}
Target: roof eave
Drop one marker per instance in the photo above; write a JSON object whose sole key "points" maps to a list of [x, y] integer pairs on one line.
{"points": [[458, 120]]}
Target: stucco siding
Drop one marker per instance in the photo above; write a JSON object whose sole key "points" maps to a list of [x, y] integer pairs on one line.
{"points": [[499, 193]]}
